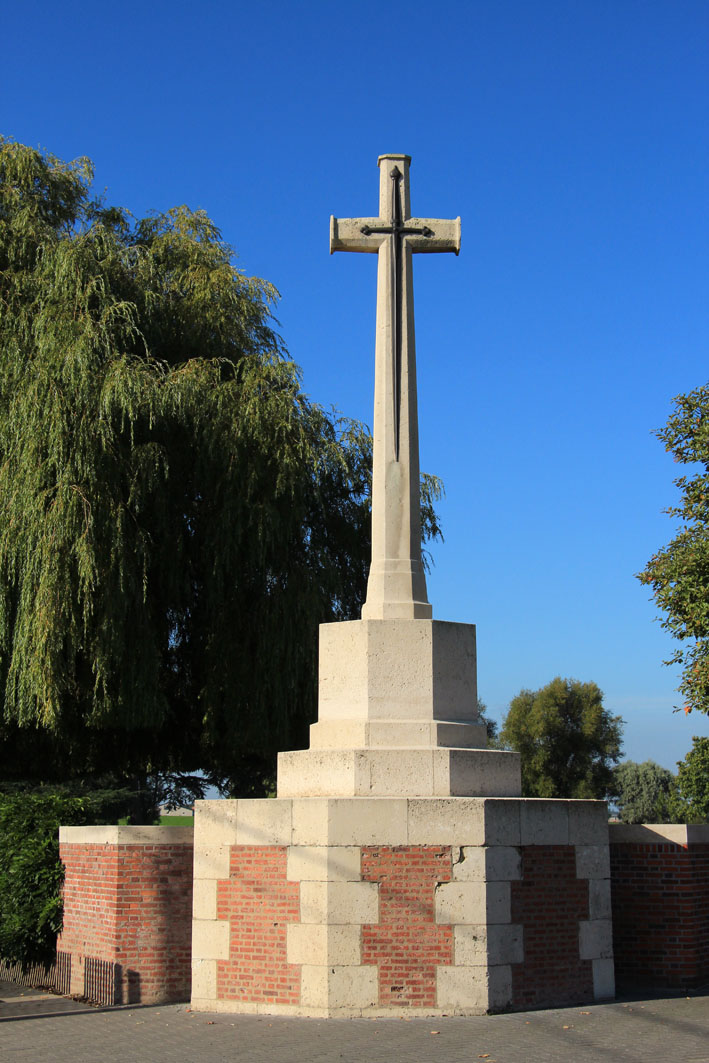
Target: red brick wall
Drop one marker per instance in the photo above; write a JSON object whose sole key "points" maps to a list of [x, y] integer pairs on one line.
{"points": [[660, 897], [259, 903], [549, 902], [407, 945], [128, 921]]}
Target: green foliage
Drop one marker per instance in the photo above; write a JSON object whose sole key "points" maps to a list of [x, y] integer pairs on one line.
{"points": [[176, 516], [31, 874], [568, 741], [693, 782], [491, 726], [679, 573], [645, 793]]}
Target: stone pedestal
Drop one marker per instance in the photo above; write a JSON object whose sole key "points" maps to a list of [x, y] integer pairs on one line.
{"points": [[382, 906]]}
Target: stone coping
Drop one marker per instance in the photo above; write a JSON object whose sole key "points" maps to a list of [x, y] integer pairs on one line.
{"points": [[126, 835], [657, 833]]}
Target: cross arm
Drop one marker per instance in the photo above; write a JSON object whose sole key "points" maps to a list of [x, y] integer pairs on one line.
{"points": [[346, 234], [436, 235]]}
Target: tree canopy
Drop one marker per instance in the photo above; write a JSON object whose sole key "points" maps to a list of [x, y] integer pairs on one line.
{"points": [[679, 573], [645, 793], [176, 516], [693, 782], [568, 740]]}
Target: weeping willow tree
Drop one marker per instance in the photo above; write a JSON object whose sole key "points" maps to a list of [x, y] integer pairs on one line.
{"points": [[176, 517]]}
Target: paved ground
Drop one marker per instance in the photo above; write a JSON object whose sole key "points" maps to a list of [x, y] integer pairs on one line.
{"points": [[36, 1027]]}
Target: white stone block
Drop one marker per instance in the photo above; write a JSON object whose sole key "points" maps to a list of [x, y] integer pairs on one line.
{"points": [[505, 943], [210, 939], [499, 987], [461, 902], [211, 861], [603, 979], [339, 987], [498, 902], [502, 821], [264, 822], [479, 773], [599, 899], [311, 816], [446, 821], [596, 939], [544, 822], [468, 863], [367, 821], [331, 863], [470, 945], [400, 772], [593, 861], [462, 987], [204, 899], [588, 823], [339, 902], [503, 863], [204, 979], [215, 822], [319, 945]]}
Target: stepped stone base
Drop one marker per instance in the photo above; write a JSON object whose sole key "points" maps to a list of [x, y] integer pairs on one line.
{"points": [[392, 905], [399, 772]]}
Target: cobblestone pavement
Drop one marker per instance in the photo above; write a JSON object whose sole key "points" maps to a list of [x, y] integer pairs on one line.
{"points": [[36, 1027]]}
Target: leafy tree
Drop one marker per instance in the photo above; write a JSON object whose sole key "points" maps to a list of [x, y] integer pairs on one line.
{"points": [[645, 793], [693, 782], [176, 516], [679, 573], [567, 739], [491, 726]]}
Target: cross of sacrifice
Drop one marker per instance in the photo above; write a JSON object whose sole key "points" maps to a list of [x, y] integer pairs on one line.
{"points": [[397, 584]]}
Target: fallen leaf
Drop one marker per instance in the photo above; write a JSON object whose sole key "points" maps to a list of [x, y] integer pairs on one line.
{"points": [[434, 1031], [584, 1013], [567, 1027], [210, 1022]]}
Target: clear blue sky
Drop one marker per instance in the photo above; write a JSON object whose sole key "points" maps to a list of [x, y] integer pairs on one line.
{"points": [[571, 136]]}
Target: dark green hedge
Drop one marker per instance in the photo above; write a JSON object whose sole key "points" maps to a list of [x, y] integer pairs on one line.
{"points": [[31, 874]]}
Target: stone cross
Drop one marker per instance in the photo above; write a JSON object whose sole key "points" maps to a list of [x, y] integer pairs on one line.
{"points": [[397, 583]]}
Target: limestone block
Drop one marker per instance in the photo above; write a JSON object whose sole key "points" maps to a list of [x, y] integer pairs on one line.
{"points": [[544, 822], [311, 816], [396, 734], [470, 945], [498, 902], [204, 899], [588, 823], [397, 670], [468, 863], [461, 902], [318, 945], [126, 835], [334, 863], [462, 988], [339, 987], [599, 899], [264, 822], [339, 902], [210, 939], [400, 772], [215, 822], [593, 861], [446, 821], [204, 979], [367, 821], [339, 734], [596, 939], [477, 772], [603, 979], [211, 861], [499, 987], [502, 822], [505, 943], [503, 863]]}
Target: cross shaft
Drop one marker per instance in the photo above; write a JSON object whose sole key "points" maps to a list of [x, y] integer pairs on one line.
{"points": [[397, 584]]}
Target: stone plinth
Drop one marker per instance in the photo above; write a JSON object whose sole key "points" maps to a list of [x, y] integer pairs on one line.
{"points": [[397, 716], [389, 906]]}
